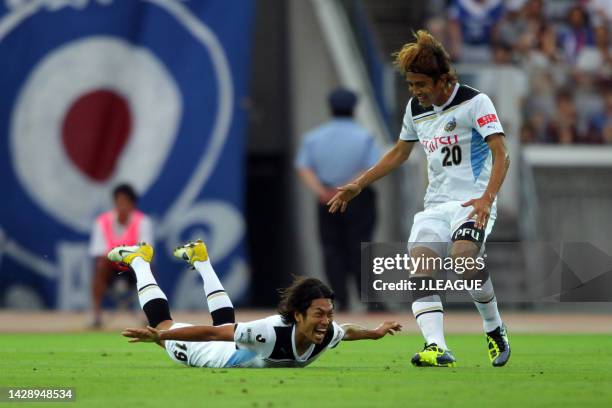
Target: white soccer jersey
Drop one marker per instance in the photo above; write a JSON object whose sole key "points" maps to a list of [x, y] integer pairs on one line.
{"points": [[453, 136], [272, 343]]}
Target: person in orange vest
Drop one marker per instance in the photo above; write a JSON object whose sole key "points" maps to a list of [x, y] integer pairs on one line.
{"points": [[123, 225]]}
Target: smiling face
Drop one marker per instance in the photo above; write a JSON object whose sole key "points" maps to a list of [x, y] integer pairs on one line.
{"points": [[426, 90], [314, 323]]}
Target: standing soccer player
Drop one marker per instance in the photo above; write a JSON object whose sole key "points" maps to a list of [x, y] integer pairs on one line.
{"points": [[467, 162]]}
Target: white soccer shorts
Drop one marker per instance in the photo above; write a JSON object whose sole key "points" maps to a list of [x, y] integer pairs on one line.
{"points": [[212, 354], [434, 227]]}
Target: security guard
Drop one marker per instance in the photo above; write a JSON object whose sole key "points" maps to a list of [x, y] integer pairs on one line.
{"points": [[331, 155]]}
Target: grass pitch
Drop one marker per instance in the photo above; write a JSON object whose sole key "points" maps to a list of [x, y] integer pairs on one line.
{"points": [[544, 371]]}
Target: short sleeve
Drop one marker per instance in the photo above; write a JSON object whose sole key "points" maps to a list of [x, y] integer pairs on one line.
{"points": [[408, 132], [258, 336], [303, 160], [484, 117], [97, 244], [337, 337]]}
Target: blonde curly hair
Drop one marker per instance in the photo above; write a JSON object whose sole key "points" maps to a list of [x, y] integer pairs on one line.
{"points": [[425, 56]]}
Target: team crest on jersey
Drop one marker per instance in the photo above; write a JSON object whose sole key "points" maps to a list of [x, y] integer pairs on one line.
{"points": [[451, 125]]}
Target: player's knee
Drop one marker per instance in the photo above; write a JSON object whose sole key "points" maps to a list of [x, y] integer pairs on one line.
{"points": [[464, 249], [476, 274], [427, 262]]}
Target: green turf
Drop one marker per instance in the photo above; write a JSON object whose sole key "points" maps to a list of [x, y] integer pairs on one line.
{"points": [[545, 371]]}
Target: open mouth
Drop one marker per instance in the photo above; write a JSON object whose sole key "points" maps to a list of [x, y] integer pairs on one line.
{"points": [[320, 332]]}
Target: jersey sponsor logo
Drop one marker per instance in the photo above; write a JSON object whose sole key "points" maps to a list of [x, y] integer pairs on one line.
{"points": [[466, 233], [483, 120], [249, 336], [434, 143], [469, 232], [451, 125]]}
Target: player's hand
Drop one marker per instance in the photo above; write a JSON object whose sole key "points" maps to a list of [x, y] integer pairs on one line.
{"points": [[345, 194], [148, 335], [481, 210], [388, 328], [327, 195]]}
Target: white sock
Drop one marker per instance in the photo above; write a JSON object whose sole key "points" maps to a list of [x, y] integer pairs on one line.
{"points": [[486, 303], [430, 318], [145, 282], [216, 297]]}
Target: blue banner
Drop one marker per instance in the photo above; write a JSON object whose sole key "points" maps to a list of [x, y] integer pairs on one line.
{"points": [[174, 73]]}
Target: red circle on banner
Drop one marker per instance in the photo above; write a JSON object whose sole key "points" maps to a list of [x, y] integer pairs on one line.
{"points": [[95, 130]]}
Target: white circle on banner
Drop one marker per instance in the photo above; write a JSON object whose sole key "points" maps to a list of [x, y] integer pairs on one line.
{"points": [[64, 76]]}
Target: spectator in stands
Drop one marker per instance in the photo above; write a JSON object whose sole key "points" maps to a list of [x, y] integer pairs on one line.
{"points": [[533, 10], [502, 54], [471, 28], [530, 35], [602, 11], [438, 27], [528, 133], [510, 30], [601, 16], [123, 225], [576, 35], [564, 128], [558, 43], [600, 128], [535, 128]]}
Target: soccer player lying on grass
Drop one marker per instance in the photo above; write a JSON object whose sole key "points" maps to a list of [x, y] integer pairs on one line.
{"points": [[296, 337]]}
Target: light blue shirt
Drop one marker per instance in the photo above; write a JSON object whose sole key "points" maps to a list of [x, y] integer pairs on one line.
{"points": [[337, 151]]}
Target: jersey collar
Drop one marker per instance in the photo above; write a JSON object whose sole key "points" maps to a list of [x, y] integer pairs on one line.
{"points": [[448, 101], [306, 354]]}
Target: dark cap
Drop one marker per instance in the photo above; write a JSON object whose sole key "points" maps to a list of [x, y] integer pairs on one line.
{"points": [[342, 102]]}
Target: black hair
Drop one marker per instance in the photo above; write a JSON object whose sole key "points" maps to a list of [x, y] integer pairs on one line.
{"points": [[342, 102], [126, 190], [342, 112], [299, 296]]}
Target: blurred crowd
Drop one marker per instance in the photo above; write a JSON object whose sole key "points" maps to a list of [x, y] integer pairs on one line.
{"points": [[563, 46]]}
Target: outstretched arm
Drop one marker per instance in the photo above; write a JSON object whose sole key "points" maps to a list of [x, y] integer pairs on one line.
{"points": [[356, 332], [191, 333], [389, 162]]}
